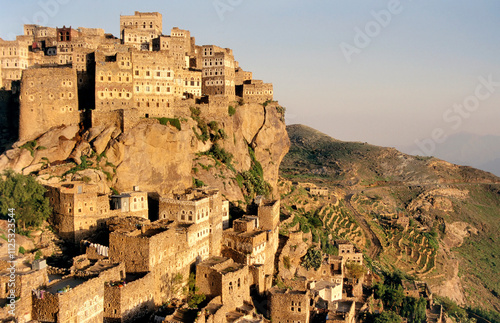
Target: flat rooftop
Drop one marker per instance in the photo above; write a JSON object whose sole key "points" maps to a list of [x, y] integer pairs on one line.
{"points": [[72, 282], [231, 268], [212, 261]]}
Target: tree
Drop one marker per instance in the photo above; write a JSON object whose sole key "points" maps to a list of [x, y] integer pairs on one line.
{"points": [[26, 196], [355, 270], [387, 317], [379, 290], [194, 298], [393, 297], [312, 259], [414, 309]]}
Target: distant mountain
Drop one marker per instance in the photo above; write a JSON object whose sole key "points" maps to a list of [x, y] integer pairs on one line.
{"points": [[474, 150], [314, 153]]}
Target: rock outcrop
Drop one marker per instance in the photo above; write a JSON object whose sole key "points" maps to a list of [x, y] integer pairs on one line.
{"points": [[159, 158]]}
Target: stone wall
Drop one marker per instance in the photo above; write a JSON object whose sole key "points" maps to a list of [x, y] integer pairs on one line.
{"points": [[83, 303], [255, 91], [126, 302], [49, 98], [219, 276], [289, 306], [133, 251]]}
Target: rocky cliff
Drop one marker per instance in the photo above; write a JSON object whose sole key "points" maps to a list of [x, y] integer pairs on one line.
{"points": [[236, 149]]}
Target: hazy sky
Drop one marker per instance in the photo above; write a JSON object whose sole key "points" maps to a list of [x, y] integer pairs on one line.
{"points": [[385, 72]]}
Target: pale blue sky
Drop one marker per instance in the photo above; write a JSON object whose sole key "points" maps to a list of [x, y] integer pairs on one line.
{"points": [[393, 92]]}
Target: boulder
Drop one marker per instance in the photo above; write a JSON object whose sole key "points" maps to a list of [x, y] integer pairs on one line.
{"points": [[101, 141]]}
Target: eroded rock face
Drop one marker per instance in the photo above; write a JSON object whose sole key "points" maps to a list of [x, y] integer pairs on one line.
{"points": [[271, 145], [159, 158], [156, 157]]}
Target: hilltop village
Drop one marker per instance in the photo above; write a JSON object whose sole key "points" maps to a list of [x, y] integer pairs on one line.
{"points": [[144, 263]]}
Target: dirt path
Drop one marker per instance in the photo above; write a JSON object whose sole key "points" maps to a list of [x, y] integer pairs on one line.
{"points": [[375, 246]]}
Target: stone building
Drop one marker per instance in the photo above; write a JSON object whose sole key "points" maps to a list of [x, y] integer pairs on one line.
{"points": [[203, 209], [113, 81], [342, 312], [13, 59], [253, 240], [142, 249], [240, 76], [255, 91], [133, 203], [129, 299], [319, 191], [327, 291], [164, 248], [41, 36], [245, 241], [155, 83], [417, 289], [140, 29], [78, 209], [77, 298], [403, 221], [289, 306], [348, 252], [49, 98], [142, 74], [218, 72], [219, 276], [179, 45], [22, 283], [331, 270]]}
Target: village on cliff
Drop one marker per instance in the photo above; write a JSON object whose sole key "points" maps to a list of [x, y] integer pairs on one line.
{"points": [[166, 252]]}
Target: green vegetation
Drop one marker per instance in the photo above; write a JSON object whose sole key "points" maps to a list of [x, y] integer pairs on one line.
{"points": [[193, 297], [22, 250], [384, 317], [253, 179], [208, 131], [26, 196], [172, 121], [490, 315], [453, 310], [231, 110], [197, 182], [286, 262], [30, 146], [219, 153], [355, 270], [391, 292], [312, 259]]}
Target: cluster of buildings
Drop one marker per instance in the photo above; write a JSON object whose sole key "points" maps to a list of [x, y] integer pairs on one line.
{"points": [[143, 264], [329, 292], [73, 76], [143, 73]]}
